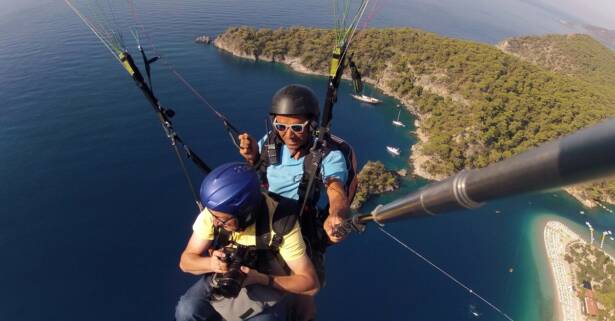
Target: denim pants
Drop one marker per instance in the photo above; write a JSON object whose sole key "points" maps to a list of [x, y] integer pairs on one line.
{"points": [[194, 306]]}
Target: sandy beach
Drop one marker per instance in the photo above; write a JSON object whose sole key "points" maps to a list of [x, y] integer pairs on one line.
{"points": [[557, 237]]}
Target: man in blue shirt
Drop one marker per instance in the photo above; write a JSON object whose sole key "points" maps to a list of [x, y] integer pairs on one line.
{"points": [[295, 111], [281, 157]]}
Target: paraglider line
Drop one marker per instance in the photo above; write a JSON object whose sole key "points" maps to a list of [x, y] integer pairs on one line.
{"points": [[472, 292], [100, 37], [233, 131]]}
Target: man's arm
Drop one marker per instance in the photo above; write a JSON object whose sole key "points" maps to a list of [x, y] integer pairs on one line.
{"points": [[303, 279], [338, 207], [192, 259], [338, 202], [335, 174]]}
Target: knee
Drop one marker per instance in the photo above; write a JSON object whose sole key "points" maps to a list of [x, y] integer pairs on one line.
{"points": [[304, 307], [194, 304], [186, 309]]}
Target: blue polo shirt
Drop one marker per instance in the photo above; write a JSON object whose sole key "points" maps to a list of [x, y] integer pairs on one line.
{"points": [[284, 178]]}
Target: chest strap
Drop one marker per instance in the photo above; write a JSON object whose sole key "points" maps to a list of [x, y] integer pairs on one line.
{"points": [[271, 229]]}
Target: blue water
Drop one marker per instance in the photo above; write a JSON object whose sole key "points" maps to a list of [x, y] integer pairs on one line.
{"points": [[94, 211]]}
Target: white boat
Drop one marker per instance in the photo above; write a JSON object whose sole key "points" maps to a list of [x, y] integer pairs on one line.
{"points": [[366, 99], [397, 122], [393, 150], [473, 311]]}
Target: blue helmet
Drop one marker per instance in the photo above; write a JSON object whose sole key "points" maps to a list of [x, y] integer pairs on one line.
{"points": [[233, 188]]}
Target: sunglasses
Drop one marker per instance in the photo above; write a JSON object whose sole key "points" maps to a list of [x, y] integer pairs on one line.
{"points": [[296, 128]]}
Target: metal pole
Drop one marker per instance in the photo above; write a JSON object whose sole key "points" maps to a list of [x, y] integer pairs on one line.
{"points": [[580, 157]]}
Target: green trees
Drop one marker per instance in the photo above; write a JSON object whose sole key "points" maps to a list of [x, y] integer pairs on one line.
{"points": [[374, 178], [593, 265], [478, 104]]}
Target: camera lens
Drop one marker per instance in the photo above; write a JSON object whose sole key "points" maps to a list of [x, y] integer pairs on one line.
{"points": [[229, 284]]}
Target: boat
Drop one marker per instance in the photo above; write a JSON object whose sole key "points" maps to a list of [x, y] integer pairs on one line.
{"points": [[397, 122], [366, 99], [393, 150], [473, 311]]}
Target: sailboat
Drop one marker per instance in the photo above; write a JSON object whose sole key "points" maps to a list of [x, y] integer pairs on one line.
{"points": [[357, 84], [397, 122], [393, 150], [366, 99]]}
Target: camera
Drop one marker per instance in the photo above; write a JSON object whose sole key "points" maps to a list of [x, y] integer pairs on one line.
{"points": [[229, 284]]}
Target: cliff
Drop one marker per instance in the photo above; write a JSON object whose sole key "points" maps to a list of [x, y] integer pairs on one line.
{"points": [[374, 179]]}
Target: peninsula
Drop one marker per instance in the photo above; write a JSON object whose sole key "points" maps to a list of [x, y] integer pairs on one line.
{"points": [[374, 179], [475, 103]]}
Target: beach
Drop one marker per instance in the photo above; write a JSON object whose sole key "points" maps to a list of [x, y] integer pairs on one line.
{"points": [[557, 237]]}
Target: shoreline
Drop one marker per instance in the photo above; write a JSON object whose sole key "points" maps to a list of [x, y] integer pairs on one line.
{"points": [[417, 159], [557, 237], [578, 194]]}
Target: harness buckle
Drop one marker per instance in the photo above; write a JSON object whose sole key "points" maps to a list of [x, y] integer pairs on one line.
{"points": [[272, 153], [276, 242]]}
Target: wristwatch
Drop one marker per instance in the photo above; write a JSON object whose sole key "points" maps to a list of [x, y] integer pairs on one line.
{"points": [[270, 280]]}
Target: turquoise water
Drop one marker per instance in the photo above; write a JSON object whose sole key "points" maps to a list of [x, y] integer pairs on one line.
{"points": [[94, 211]]}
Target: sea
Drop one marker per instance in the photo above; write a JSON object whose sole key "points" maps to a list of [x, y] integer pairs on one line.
{"points": [[95, 211]]}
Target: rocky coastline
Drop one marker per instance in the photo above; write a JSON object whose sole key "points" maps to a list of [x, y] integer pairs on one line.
{"points": [[374, 179], [580, 196], [418, 160]]}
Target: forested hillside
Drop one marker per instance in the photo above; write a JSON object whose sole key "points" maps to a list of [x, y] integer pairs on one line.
{"points": [[577, 56], [476, 103]]}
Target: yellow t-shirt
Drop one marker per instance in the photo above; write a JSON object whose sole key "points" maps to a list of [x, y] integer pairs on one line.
{"points": [[291, 249]]}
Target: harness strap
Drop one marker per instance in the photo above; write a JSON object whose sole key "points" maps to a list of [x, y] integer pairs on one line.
{"points": [[269, 155], [222, 238], [312, 165], [271, 229], [309, 192]]}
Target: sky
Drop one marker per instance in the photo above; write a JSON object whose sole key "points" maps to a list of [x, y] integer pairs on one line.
{"points": [[600, 13]]}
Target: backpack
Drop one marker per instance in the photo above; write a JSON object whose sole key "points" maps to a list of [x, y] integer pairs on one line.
{"points": [[281, 217]]}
